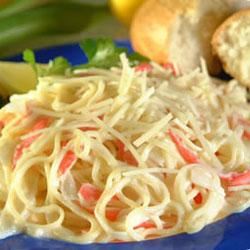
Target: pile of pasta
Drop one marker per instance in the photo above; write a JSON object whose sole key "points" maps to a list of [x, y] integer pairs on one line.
{"points": [[125, 154]]}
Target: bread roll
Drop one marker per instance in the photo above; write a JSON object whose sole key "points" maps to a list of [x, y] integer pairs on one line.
{"points": [[231, 42], [239, 4], [178, 31]]}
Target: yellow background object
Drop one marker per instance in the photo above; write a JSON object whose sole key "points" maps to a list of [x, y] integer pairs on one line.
{"points": [[16, 78], [124, 9]]}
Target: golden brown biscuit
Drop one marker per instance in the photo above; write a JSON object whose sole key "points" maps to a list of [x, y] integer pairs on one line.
{"points": [[178, 31], [231, 42]]}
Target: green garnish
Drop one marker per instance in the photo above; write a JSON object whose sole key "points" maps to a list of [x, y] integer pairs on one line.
{"points": [[29, 57], [57, 66], [101, 53]]}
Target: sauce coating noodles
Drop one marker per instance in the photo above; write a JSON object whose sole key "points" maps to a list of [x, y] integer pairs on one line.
{"points": [[123, 155]]}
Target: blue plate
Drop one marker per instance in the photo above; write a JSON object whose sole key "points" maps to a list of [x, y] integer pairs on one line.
{"points": [[232, 233]]}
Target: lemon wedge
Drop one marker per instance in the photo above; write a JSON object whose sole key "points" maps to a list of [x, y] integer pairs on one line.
{"points": [[125, 9], [16, 78]]}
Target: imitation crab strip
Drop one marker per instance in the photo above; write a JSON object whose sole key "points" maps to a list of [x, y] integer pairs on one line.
{"points": [[171, 67], [68, 160], [125, 155], [147, 67], [237, 179], [186, 153], [235, 120], [88, 129], [198, 199], [246, 135], [146, 224], [40, 124], [144, 67], [91, 194], [2, 125], [246, 124]]}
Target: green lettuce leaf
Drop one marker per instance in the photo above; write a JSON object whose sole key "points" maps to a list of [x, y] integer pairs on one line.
{"points": [[101, 53], [57, 66]]}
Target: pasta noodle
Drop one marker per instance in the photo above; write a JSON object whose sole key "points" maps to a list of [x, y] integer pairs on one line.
{"points": [[123, 155]]}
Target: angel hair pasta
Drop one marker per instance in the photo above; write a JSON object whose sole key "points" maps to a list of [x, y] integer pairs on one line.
{"points": [[125, 154]]}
